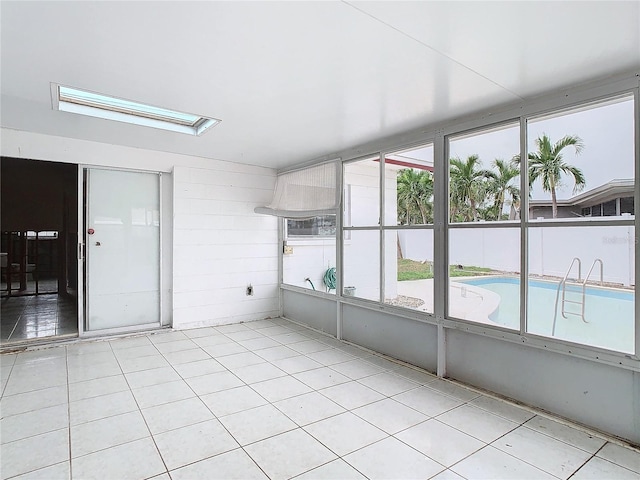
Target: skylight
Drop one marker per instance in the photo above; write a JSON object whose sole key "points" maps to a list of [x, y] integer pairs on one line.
{"points": [[72, 100]]}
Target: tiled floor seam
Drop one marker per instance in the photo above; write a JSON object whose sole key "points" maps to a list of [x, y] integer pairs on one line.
{"points": [[68, 410], [242, 447], [561, 440], [214, 416], [487, 445], [591, 457], [327, 463], [418, 385], [539, 467], [490, 444], [268, 403], [4, 387], [141, 414]]}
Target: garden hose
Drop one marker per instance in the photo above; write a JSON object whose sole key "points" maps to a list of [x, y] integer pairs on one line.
{"points": [[309, 280], [329, 279]]}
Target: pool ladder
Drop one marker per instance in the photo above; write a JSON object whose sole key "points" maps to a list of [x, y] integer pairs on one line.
{"points": [[563, 286]]}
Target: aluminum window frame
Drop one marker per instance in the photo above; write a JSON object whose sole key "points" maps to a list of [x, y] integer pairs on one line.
{"points": [[551, 104]]}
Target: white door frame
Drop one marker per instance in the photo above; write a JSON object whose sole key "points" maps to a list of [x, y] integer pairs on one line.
{"points": [[81, 254]]}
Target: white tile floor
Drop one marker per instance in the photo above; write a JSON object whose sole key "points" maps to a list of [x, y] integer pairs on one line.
{"points": [[270, 399]]}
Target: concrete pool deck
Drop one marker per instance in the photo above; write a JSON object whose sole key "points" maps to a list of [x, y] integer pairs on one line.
{"points": [[468, 302]]}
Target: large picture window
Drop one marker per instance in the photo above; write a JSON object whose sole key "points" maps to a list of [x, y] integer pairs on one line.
{"points": [[581, 255], [525, 228], [484, 193], [408, 213]]}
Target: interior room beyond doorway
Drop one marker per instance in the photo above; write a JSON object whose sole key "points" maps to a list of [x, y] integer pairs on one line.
{"points": [[38, 239]]}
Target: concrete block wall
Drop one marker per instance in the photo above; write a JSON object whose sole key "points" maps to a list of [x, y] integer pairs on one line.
{"points": [[220, 246], [216, 244]]}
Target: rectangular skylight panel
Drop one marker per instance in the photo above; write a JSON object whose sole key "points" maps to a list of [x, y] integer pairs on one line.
{"points": [[103, 106]]}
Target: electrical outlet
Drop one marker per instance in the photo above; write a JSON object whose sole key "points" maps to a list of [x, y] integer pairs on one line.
{"points": [[249, 290], [288, 250]]}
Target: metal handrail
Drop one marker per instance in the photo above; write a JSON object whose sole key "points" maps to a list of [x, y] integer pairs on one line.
{"points": [[584, 283], [562, 284]]}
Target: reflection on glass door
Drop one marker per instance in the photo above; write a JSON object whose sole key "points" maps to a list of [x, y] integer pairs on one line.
{"points": [[122, 238]]}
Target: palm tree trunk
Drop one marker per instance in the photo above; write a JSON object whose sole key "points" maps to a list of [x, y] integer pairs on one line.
{"points": [[423, 214], [554, 203], [474, 212]]}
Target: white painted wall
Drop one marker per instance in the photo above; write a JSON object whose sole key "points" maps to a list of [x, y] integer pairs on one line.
{"points": [[219, 244], [310, 259], [550, 250]]}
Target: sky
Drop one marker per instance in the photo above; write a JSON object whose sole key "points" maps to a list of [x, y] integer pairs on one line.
{"points": [[606, 131]]}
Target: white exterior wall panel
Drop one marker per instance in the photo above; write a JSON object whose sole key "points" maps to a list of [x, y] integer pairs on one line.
{"points": [[214, 245], [221, 246]]}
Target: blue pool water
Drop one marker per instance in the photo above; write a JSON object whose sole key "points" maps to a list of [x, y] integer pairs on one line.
{"points": [[610, 313]]}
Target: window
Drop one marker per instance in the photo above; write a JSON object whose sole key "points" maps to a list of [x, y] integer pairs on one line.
{"points": [[408, 212], [307, 200], [581, 273], [323, 226], [535, 245], [361, 253], [609, 208], [626, 206], [484, 263], [82, 102]]}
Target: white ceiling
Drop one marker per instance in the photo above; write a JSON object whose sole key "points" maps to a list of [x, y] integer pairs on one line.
{"points": [[293, 81]]}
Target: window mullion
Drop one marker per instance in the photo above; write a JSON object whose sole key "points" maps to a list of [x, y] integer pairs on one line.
{"points": [[524, 218], [440, 270]]}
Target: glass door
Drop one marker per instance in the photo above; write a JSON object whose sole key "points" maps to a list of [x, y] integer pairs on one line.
{"points": [[122, 248]]}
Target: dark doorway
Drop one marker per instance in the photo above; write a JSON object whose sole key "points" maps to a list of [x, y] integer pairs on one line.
{"points": [[38, 241]]}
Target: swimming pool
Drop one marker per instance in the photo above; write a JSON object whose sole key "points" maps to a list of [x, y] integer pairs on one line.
{"points": [[610, 313]]}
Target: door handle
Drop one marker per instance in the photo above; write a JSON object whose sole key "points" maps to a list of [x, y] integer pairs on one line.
{"points": [[98, 244]]}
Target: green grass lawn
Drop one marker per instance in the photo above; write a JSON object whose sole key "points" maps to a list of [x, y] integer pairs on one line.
{"points": [[412, 270]]}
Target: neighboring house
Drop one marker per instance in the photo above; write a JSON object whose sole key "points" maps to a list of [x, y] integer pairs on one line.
{"points": [[614, 198]]}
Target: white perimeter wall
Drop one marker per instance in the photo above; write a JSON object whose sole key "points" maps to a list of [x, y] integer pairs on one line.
{"points": [[550, 250], [214, 245]]}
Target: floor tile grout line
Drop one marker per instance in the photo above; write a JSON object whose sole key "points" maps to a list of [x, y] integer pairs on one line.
{"points": [[39, 468], [419, 423], [561, 440], [467, 402], [214, 416], [525, 461], [66, 356], [6, 383], [141, 414], [327, 463], [429, 417], [387, 435], [491, 444], [297, 426], [595, 455], [418, 385], [19, 317], [592, 456], [14, 327]]}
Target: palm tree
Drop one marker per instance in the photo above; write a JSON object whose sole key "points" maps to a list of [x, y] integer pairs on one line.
{"points": [[548, 165], [467, 187], [501, 183], [415, 192]]}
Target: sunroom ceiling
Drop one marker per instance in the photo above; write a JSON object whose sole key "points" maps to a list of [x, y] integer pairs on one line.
{"points": [[293, 81]]}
